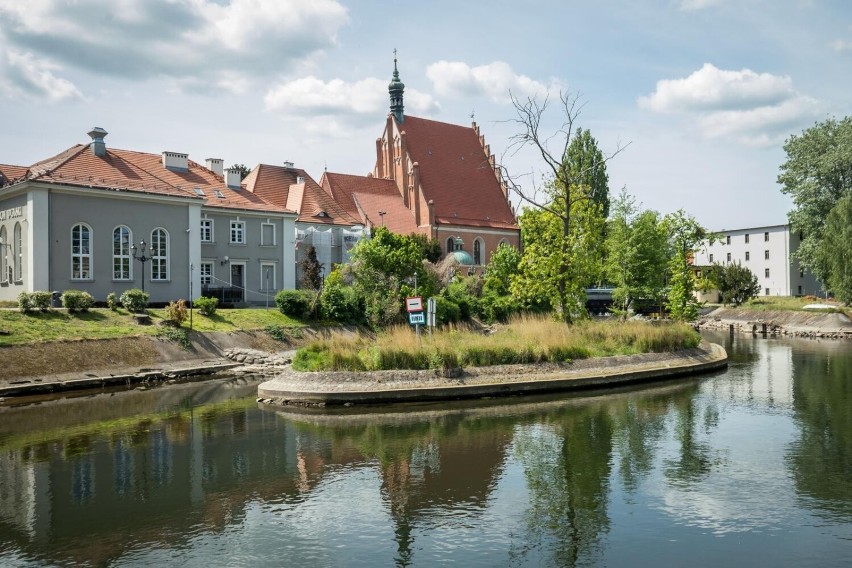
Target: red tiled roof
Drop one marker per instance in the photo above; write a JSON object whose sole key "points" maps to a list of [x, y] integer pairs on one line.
{"points": [[278, 185], [10, 173], [455, 174], [397, 218], [344, 187], [142, 172]]}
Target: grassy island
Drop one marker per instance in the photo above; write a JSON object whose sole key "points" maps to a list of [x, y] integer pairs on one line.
{"points": [[523, 340]]}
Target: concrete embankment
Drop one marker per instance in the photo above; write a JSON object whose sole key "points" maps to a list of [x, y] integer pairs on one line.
{"points": [[780, 322], [335, 388]]}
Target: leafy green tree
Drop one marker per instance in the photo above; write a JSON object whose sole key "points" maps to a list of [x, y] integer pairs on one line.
{"points": [[242, 168], [565, 250], [685, 236], [383, 268], [500, 270], [430, 248], [817, 174], [637, 252], [311, 270], [736, 283], [835, 252]]}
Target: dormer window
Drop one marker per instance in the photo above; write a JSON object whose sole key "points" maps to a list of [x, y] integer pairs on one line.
{"points": [[199, 192], [323, 215], [219, 194]]}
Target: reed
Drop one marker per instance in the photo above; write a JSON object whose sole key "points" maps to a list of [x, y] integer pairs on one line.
{"points": [[526, 339]]}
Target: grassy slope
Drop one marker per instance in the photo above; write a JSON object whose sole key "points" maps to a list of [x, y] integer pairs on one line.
{"points": [[58, 325], [792, 304]]}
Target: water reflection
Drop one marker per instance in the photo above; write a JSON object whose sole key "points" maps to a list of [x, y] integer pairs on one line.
{"points": [[198, 474]]}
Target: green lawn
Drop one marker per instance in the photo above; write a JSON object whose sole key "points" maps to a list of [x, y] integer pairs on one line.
{"points": [[790, 303], [102, 323]]}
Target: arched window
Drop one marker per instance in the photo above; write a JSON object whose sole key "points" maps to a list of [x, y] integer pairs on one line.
{"points": [[81, 252], [4, 259], [451, 245], [19, 253], [121, 262], [477, 251], [159, 254]]}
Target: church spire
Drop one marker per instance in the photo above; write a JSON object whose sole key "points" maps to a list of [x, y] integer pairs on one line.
{"points": [[395, 89]]}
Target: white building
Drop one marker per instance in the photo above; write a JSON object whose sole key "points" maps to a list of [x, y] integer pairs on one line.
{"points": [[767, 252]]}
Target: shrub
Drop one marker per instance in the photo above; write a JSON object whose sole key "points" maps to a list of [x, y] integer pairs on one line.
{"points": [[176, 313], [277, 332], [77, 301], [207, 306], [494, 307], [295, 303], [25, 303], [112, 301], [341, 303], [175, 335], [41, 300], [447, 311], [135, 300]]}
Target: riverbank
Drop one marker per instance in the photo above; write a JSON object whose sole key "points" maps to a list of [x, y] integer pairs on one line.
{"points": [[808, 324], [347, 388]]}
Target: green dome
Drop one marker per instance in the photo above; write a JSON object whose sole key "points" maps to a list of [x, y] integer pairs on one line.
{"points": [[462, 257]]}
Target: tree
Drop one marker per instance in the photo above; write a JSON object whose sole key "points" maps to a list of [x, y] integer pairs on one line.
{"points": [[500, 270], [311, 270], [383, 268], [685, 236], [835, 252], [430, 249], [570, 200], [637, 252], [817, 174], [736, 283], [242, 168]]}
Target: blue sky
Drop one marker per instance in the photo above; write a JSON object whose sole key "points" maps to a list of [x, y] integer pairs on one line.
{"points": [[702, 92]]}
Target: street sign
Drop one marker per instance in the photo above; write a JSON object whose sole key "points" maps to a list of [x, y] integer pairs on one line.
{"points": [[414, 304], [415, 318]]}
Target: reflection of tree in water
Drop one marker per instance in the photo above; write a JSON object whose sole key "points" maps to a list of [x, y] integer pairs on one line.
{"points": [[639, 425], [567, 466], [695, 461], [821, 460]]}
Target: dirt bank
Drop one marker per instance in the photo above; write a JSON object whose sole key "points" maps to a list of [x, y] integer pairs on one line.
{"points": [[779, 322]]}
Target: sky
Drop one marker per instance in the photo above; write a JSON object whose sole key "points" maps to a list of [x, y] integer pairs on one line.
{"points": [[698, 95]]}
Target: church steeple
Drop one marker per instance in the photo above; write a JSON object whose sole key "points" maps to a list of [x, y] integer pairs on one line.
{"points": [[395, 89]]}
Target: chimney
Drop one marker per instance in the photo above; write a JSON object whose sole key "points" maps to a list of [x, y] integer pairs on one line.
{"points": [[97, 134], [215, 165], [176, 161], [288, 164], [233, 178], [300, 180]]}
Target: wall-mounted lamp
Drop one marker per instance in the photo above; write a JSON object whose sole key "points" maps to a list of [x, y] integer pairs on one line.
{"points": [[225, 260]]}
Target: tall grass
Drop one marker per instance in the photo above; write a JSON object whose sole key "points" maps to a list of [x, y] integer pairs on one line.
{"points": [[526, 339]]}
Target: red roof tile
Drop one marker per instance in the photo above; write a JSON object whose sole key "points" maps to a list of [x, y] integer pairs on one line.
{"points": [[455, 173], [278, 185], [344, 187], [397, 217], [10, 173]]}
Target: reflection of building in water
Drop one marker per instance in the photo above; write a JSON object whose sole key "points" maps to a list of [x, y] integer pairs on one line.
{"points": [[20, 506], [768, 375]]}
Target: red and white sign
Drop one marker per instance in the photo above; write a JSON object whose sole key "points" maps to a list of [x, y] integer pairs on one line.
{"points": [[414, 304]]}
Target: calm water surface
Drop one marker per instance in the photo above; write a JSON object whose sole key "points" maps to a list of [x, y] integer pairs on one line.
{"points": [[748, 467]]}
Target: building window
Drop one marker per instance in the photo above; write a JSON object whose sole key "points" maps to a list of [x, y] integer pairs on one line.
{"points": [[121, 239], [267, 234], [800, 289], [746, 238], [801, 273], [4, 260], [766, 293], [450, 245], [766, 273], [728, 240], [159, 255], [729, 257], [267, 276], [238, 232], [18, 253], [206, 273], [801, 236], [766, 236], [766, 255], [207, 230], [748, 256], [81, 252], [711, 259], [477, 251]]}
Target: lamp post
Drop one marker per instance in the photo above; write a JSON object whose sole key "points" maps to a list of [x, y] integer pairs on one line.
{"points": [[382, 215], [141, 257]]}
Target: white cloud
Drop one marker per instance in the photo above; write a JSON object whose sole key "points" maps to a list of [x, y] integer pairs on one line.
{"points": [[27, 76], [841, 45], [753, 108], [196, 44], [365, 98], [494, 81]]}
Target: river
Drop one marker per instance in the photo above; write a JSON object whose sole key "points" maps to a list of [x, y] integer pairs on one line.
{"points": [[751, 466]]}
